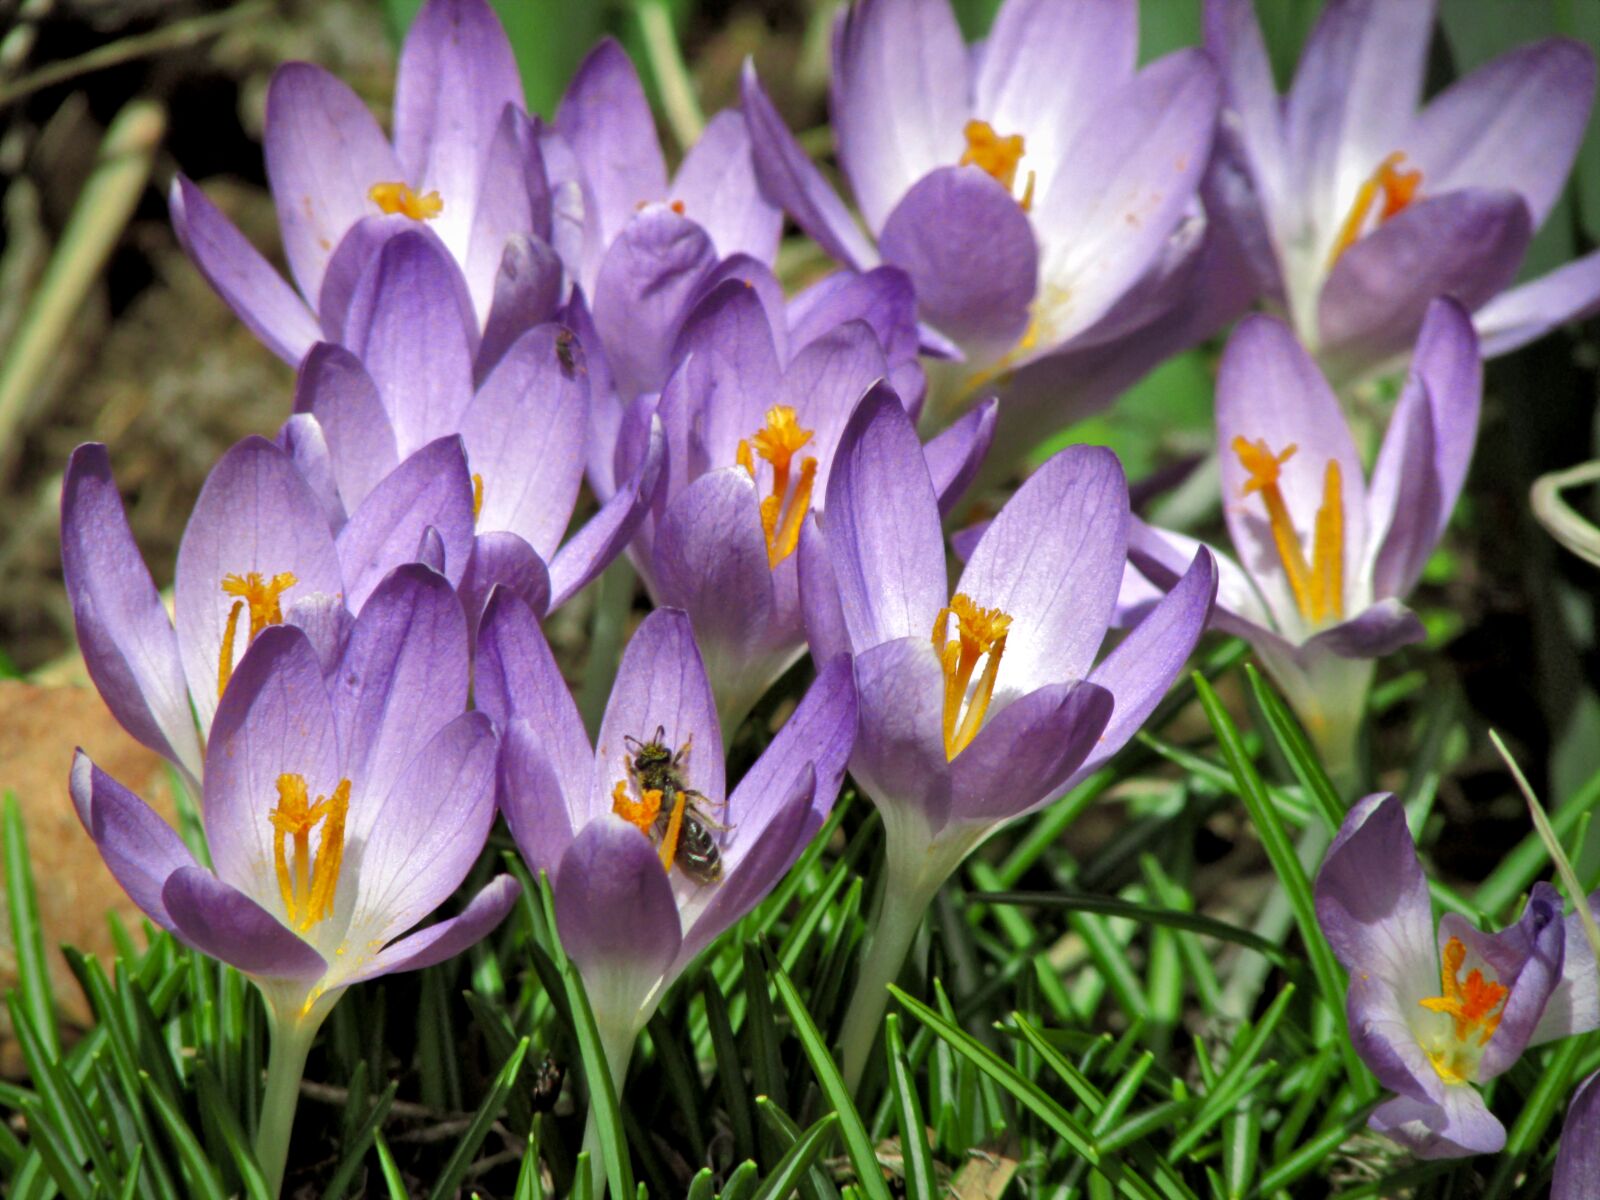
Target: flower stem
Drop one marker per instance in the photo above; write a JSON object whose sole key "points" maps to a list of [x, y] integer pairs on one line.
{"points": [[286, 1064]]}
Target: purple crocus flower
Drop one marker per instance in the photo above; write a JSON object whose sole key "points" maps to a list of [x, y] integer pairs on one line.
{"points": [[1434, 1013], [340, 810], [1325, 555], [647, 872], [1363, 208], [1039, 190], [464, 163], [1578, 1159], [258, 551], [1004, 706], [750, 444]]}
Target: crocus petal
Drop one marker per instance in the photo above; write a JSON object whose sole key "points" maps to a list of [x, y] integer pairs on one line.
{"points": [[883, 526], [422, 838], [1458, 1126], [503, 560], [1466, 244], [301, 438], [1578, 1160], [823, 384], [1574, 1006], [227, 924], [790, 179], [402, 678], [1380, 1023], [244, 279], [324, 152], [1233, 38], [1145, 663], [899, 756], [826, 631], [970, 251], [350, 264], [254, 514], [650, 276], [527, 290], [716, 184], [661, 683], [1162, 556], [336, 389], [542, 812], [1052, 561], [1524, 314], [899, 97], [616, 915], [326, 622], [510, 195], [727, 378], [882, 297], [445, 939], [1517, 119], [606, 119], [1025, 753], [127, 639], [431, 488], [140, 849], [1373, 633], [955, 455]]}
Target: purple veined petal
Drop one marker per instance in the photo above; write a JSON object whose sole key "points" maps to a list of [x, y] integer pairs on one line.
{"points": [[1353, 97], [1122, 188], [661, 682], [1250, 97], [1372, 633], [1162, 557], [883, 527], [445, 939], [425, 382], [971, 254], [527, 291], [1145, 663], [517, 678], [882, 297], [651, 275], [1574, 1006], [227, 924], [1025, 753], [1046, 65], [1524, 314], [1516, 121], [616, 916], [301, 438], [590, 550], [900, 88], [542, 812], [728, 376], [1270, 391], [512, 186], [1465, 244], [756, 276], [1578, 1160], [606, 408], [530, 485], [402, 678], [255, 514], [790, 179], [502, 560], [324, 152], [1372, 900], [606, 119], [336, 389], [422, 837], [964, 541], [140, 849], [955, 455], [244, 279], [326, 622], [711, 561], [823, 384], [430, 549], [1380, 1020], [352, 259], [276, 720], [1052, 561], [1458, 1126], [456, 77], [826, 632], [716, 184], [127, 638], [899, 753], [432, 487]]}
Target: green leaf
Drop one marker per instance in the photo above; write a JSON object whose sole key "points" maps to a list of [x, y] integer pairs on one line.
{"points": [[741, 1183], [358, 1142], [455, 1169], [795, 1162], [27, 934], [921, 1182], [212, 1102], [602, 1094], [387, 1168], [197, 1171], [1297, 749]]}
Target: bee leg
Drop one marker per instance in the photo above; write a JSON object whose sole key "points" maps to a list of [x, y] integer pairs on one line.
{"points": [[669, 841], [681, 758]]}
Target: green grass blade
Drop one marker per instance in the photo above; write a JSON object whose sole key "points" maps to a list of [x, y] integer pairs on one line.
{"points": [[1296, 747], [921, 1182], [197, 1171], [603, 1100], [455, 1169], [358, 1143], [244, 1160], [795, 1162], [27, 934]]}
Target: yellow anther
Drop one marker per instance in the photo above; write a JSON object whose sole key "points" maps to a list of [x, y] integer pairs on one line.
{"points": [[781, 512], [640, 813], [980, 633], [1318, 585], [307, 882], [1399, 189], [264, 596], [998, 157], [400, 198], [669, 840], [477, 496], [1475, 1005]]}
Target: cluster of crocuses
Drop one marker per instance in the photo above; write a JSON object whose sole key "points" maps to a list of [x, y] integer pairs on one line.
{"points": [[490, 310]]}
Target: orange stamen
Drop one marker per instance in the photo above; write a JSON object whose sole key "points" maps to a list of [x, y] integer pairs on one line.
{"points": [[980, 632], [1398, 188], [477, 496], [640, 813], [400, 198], [997, 157], [1475, 1005], [264, 596], [306, 882], [669, 841], [1317, 586], [781, 513]]}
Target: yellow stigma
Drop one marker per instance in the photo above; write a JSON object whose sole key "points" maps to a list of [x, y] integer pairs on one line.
{"points": [[1318, 586], [997, 156], [1474, 1005], [778, 441], [980, 632], [399, 198], [308, 881], [1399, 189], [266, 608], [477, 496]]}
